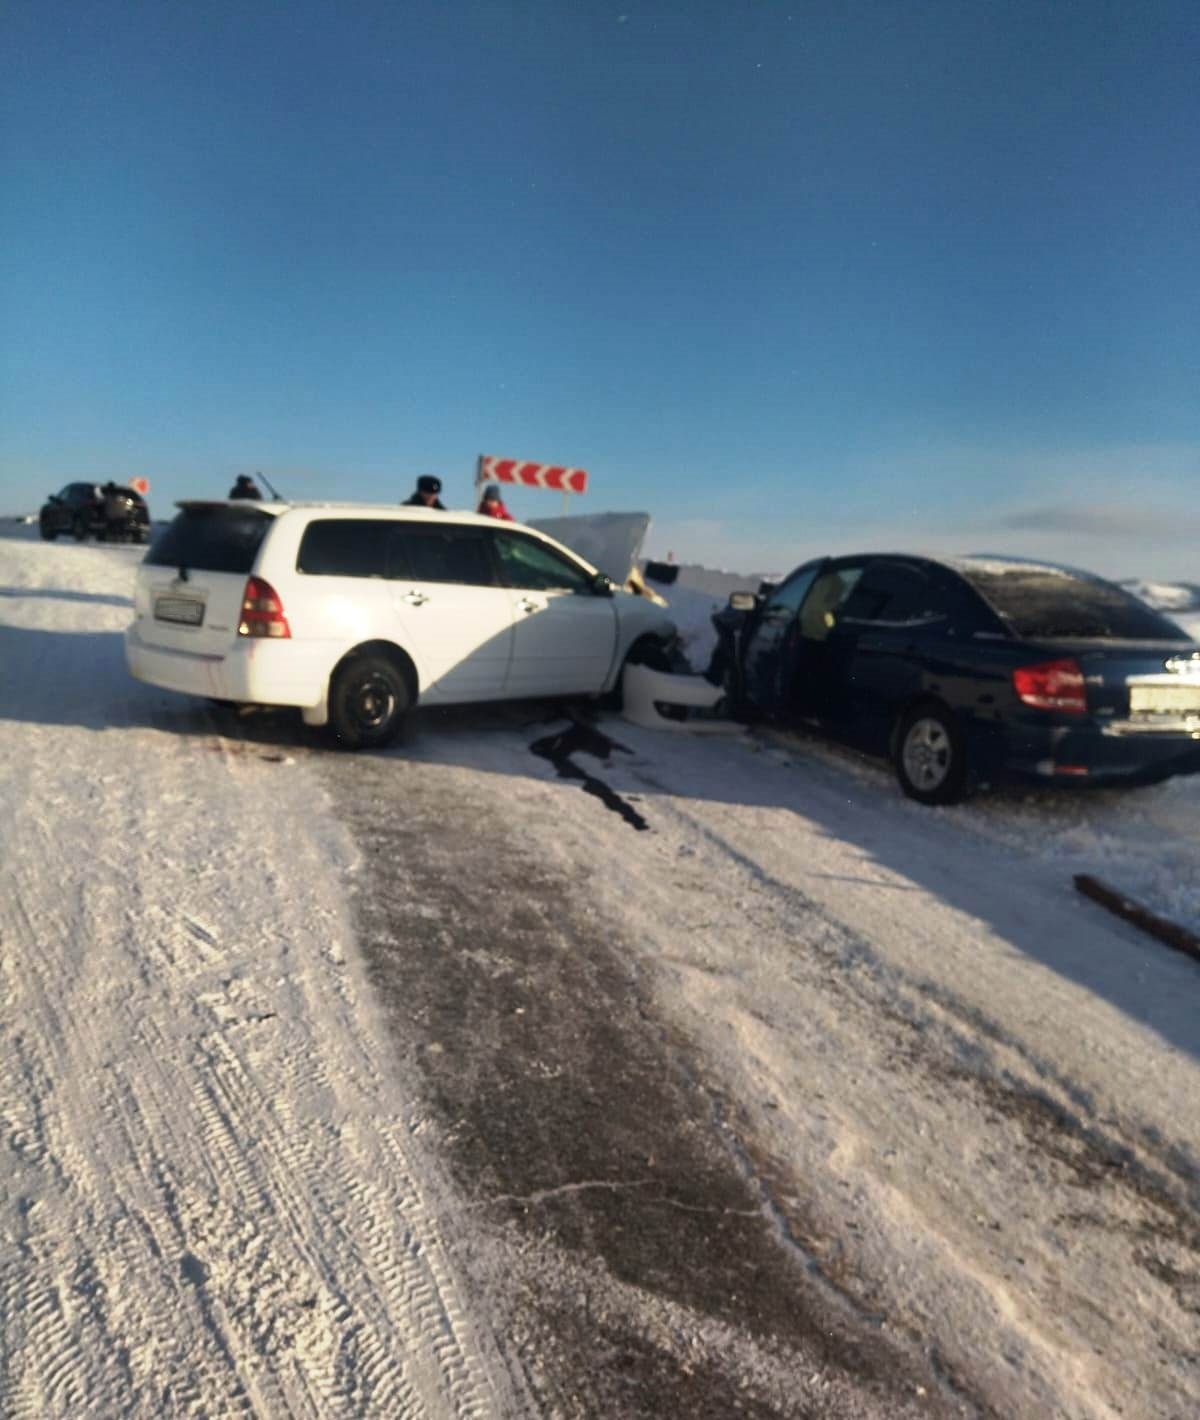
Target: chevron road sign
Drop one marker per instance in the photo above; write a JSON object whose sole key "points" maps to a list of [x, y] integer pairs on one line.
{"points": [[531, 475]]}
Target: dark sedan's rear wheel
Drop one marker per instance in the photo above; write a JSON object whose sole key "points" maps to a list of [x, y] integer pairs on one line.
{"points": [[48, 533], [79, 527], [931, 756], [368, 703]]}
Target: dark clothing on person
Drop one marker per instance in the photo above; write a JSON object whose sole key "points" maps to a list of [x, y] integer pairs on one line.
{"points": [[245, 487], [426, 495]]}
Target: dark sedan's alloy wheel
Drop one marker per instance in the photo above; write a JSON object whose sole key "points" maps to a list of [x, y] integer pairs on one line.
{"points": [[931, 757], [368, 702]]}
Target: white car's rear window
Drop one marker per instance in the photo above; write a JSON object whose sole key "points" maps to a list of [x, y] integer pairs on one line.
{"points": [[216, 539]]}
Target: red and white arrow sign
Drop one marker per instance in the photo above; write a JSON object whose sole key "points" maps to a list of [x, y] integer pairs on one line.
{"points": [[532, 475]]}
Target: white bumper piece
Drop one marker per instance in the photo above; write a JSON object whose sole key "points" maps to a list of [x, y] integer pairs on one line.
{"points": [[644, 690]]}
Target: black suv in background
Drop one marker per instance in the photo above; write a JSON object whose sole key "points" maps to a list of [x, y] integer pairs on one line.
{"points": [[109, 512]]}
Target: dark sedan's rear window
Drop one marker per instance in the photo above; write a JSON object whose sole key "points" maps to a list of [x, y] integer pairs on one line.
{"points": [[1041, 603], [217, 539]]}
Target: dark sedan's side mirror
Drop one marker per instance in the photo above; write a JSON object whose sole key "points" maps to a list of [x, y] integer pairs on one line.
{"points": [[742, 601]]}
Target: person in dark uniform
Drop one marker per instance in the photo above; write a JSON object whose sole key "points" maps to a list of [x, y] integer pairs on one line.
{"points": [[245, 487], [426, 495]]}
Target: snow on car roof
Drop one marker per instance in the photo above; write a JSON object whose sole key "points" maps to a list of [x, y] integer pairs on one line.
{"points": [[999, 566], [988, 563]]}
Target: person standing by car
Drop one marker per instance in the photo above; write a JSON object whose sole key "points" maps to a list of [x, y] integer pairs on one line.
{"points": [[426, 495], [245, 487], [491, 505]]}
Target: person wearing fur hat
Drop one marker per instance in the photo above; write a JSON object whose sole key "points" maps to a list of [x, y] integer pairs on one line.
{"points": [[492, 506], [426, 495]]}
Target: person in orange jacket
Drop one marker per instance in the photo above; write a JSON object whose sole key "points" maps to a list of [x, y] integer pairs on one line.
{"points": [[491, 505]]}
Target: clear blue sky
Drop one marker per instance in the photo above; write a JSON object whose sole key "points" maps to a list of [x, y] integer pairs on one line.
{"points": [[786, 276]]}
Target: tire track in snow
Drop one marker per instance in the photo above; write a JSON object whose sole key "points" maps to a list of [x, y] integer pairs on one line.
{"points": [[46, 1368], [56, 1361]]}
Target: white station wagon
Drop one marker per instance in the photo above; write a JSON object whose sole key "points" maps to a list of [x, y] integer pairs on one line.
{"points": [[355, 612]]}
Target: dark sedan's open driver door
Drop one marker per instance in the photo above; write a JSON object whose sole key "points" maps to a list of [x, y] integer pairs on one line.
{"points": [[770, 653], [797, 657], [824, 648]]}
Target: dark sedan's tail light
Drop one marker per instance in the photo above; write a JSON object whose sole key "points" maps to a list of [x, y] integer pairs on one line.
{"points": [[1052, 685], [262, 611]]}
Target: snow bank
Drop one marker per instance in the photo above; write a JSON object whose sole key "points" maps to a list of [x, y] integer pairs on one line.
{"points": [[692, 612], [1167, 596]]}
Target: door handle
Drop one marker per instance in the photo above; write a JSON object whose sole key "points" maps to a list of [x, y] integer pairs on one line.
{"points": [[415, 598], [526, 605]]}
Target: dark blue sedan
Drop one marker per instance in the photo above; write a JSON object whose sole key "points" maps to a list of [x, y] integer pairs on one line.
{"points": [[968, 670]]}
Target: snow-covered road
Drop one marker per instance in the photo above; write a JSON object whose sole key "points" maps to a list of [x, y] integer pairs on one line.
{"points": [[965, 1093], [212, 1199], [962, 1101]]}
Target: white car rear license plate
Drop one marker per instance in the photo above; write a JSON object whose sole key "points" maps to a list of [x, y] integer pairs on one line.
{"points": [[1165, 699], [183, 610]]}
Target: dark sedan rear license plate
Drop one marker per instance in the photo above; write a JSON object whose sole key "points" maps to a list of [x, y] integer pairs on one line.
{"points": [[1165, 699], [182, 610]]}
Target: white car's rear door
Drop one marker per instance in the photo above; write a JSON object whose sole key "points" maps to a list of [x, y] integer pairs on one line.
{"points": [[457, 622]]}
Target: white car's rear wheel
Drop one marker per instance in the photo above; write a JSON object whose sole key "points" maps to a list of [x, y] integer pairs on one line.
{"points": [[368, 703]]}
